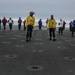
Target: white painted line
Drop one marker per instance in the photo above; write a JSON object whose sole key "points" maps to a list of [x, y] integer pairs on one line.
{"points": [[38, 43], [39, 36], [22, 40], [19, 45], [14, 38], [38, 39], [68, 40], [40, 50], [69, 71], [64, 48], [22, 45], [9, 42], [58, 42], [17, 35], [33, 50], [6, 42], [72, 44], [59, 47], [20, 35]]}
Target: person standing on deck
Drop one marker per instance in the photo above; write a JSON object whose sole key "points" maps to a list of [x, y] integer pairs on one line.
{"points": [[60, 29], [30, 22], [4, 21], [40, 24], [73, 28], [52, 27], [0, 24], [24, 23], [10, 21], [19, 23]]}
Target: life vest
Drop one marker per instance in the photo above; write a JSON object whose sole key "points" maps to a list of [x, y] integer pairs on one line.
{"points": [[51, 23], [30, 20], [10, 21]]}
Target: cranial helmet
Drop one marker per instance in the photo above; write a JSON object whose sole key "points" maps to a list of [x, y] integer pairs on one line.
{"points": [[32, 12]]}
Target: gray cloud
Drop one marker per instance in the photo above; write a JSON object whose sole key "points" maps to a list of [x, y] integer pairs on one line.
{"points": [[43, 8]]}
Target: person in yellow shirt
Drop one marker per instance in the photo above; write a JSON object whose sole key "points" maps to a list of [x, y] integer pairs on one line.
{"points": [[47, 22], [51, 26], [30, 22]]}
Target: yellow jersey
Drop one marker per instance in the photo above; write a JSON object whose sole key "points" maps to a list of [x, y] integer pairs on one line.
{"points": [[30, 20], [51, 23]]}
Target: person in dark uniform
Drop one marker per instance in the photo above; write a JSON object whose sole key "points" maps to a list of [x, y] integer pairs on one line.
{"points": [[4, 21], [73, 28], [0, 24], [19, 23], [40, 24]]}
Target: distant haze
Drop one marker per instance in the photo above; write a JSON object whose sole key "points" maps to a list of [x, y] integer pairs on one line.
{"points": [[64, 9]]}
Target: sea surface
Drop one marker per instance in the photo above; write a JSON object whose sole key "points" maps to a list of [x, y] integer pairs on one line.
{"points": [[43, 22]]}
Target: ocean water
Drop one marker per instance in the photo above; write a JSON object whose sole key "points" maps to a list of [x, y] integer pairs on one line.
{"points": [[43, 22]]}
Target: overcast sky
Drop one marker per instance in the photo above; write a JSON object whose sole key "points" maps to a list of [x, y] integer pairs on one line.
{"points": [[64, 9]]}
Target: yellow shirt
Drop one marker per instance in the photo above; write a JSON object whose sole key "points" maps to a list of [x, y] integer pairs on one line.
{"points": [[30, 20], [51, 23]]}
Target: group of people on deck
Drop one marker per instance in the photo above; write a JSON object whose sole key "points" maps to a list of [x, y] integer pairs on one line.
{"points": [[10, 21], [29, 23]]}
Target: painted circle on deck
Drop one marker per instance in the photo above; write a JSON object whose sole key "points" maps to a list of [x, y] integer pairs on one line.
{"points": [[34, 67], [10, 56], [69, 58]]}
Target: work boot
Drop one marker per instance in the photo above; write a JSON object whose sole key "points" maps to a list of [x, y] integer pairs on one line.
{"points": [[54, 39], [27, 40], [50, 38]]}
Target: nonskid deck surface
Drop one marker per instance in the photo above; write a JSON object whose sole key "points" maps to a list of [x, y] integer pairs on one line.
{"points": [[37, 57]]}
